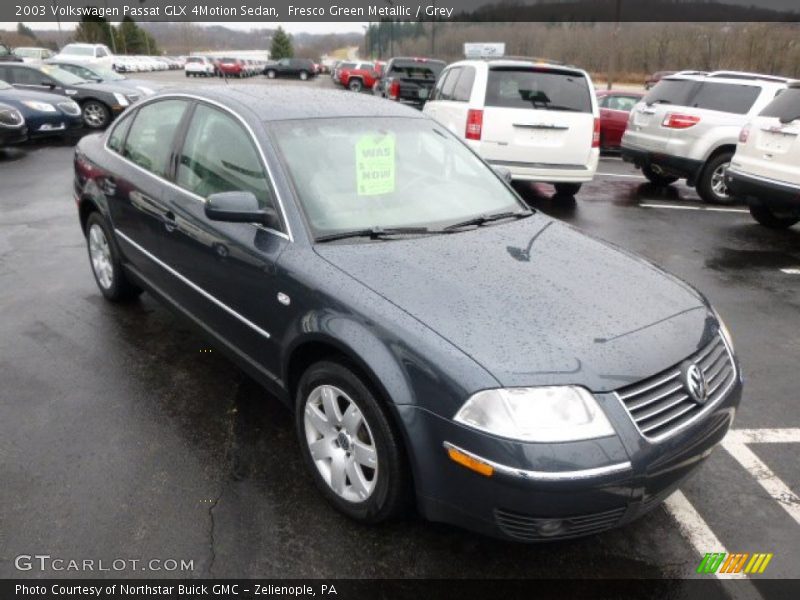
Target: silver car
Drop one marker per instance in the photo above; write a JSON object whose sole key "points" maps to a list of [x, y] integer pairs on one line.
{"points": [[688, 125]]}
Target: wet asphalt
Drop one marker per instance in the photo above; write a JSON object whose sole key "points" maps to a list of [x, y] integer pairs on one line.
{"points": [[124, 434]]}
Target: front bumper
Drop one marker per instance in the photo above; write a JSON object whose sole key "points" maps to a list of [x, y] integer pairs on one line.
{"points": [[9, 136], [542, 492], [762, 191], [677, 166]]}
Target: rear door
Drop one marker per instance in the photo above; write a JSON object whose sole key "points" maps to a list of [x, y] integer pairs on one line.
{"points": [[134, 187], [537, 115], [451, 98]]}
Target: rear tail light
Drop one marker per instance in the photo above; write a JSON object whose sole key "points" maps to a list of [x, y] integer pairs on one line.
{"points": [[596, 134], [744, 134], [678, 121], [474, 124], [394, 90]]}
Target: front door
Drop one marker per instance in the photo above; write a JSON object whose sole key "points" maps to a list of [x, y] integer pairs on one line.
{"points": [[228, 276]]}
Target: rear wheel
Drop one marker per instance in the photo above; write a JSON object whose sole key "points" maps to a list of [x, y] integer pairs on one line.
{"points": [[711, 186], [567, 189], [105, 260], [349, 444], [303, 75], [657, 179], [775, 218]]}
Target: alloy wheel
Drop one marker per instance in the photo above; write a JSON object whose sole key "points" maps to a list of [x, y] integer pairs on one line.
{"points": [[94, 115], [341, 443], [100, 253], [718, 180]]}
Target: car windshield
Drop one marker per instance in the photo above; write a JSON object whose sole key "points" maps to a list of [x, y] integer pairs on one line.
{"points": [[78, 50], [364, 173], [107, 74], [27, 52], [60, 75]]}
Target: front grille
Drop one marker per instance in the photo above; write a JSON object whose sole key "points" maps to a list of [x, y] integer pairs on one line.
{"points": [[661, 404], [535, 529]]}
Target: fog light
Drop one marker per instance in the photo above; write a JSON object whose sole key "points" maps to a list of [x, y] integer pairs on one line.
{"points": [[470, 463], [550, 527]]}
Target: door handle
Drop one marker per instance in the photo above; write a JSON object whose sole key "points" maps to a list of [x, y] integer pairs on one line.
{"points": [[170, 224]]}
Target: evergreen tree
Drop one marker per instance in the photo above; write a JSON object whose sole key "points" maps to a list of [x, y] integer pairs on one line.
{"points": [[93, 30], [281, 45], [26, 31]]}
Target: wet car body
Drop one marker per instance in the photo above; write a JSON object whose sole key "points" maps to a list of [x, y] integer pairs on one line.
{"points": [[12, 126], [433, 320]]}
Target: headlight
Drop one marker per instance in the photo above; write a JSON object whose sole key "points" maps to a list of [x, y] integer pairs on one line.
{"points": [[70, 107], [540, 414], [40, 106], [121, 99], [723, 329], [11, 117]]}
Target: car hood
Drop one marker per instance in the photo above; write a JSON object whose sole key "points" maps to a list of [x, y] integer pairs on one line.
{"points": [[21, 95], [107, 88], [536, 302]]}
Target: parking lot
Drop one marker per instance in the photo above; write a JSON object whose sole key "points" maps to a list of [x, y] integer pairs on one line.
{"points": [[124, 434]]}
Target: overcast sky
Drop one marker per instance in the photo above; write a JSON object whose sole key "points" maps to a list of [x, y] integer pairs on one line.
{"points": [[294, 27]]}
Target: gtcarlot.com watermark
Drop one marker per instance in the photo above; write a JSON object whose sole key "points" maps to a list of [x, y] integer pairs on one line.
{"points": [[47, 563]]}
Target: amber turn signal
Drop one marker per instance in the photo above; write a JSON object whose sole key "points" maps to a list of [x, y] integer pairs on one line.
{"points": [[470, 463]]}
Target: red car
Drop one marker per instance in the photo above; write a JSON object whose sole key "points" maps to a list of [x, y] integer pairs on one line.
{"points": [[356, 78], [615, 107], [231, 67]]}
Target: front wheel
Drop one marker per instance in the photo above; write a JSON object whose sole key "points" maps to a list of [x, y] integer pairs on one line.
{"points": [[657, 179], [775, 218], [271, 74], [567, 189], [349, 444], [303, 75], [355, 85], [96, 115], [711, 186], [105, 261]]}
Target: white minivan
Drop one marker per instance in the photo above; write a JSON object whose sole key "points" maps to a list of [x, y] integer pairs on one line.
{"points": [[539, 120]]}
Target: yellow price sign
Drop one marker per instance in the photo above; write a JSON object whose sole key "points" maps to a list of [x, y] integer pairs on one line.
{"points": [[375, 165]]}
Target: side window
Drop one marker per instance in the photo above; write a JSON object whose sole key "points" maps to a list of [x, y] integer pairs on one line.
{"points": [[220, 156], [150, 137], [463, 89], [117, 135], [450, 84], [437, 89], [101, 53], [603, 101], [26, 76]]}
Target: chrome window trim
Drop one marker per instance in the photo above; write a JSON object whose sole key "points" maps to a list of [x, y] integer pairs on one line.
{"points": [[703, 412], [193, 285], [546, 475], [287, 235]]}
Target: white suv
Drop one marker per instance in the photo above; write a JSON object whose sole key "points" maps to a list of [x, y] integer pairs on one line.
{"points": [[199, 66], [765, 171], [91, 54], [540, 121], [688, 125]]}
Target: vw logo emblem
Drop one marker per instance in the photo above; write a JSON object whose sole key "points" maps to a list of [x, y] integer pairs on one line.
{"points": [[694, 380]]}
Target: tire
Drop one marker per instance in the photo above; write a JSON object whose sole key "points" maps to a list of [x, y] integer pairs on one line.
{"points": [[567, 189], [768, 217], [303, 75], [104, 258], [355, 85], [657, 179], [271, 74], [329, 386], [96, 115], [711, 183]]}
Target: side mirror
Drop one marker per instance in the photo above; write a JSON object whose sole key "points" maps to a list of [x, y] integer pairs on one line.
{"points": [[239, 207], [503, 173], [48, 84]]}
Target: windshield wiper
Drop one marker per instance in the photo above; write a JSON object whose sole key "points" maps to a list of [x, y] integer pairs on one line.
{"points": [[374, 233], [483, 219]]}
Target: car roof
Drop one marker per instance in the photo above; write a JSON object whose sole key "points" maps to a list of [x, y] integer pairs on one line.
{"points": [[520, 62], [285, 102], [732, 77]]}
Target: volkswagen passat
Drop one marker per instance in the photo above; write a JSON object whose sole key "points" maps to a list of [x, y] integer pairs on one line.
{"points": [[439, 342]]}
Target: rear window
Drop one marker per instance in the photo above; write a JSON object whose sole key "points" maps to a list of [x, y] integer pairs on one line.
{"points": [[709, 95], [78, 50], [417, 70], [194, 60], [785, 107], [532, 88]]}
